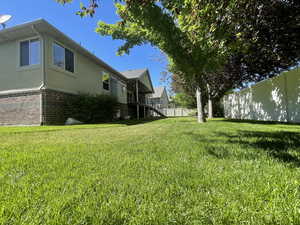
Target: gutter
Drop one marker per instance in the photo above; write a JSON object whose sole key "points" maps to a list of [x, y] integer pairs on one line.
{"points": [[43, 85]]}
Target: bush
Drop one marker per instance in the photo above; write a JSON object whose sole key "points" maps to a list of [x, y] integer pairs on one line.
{"points": [[193, 113], [92, 108]]}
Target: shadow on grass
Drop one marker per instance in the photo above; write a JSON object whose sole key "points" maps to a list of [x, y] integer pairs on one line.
{"points": [[137, 122], [58, 128], [277, 143], [281, 145], [256, 122]]}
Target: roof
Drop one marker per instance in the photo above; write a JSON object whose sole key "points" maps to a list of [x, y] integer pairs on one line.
{"points": [[41, 26], [158, 92], [133, 74], [139, 75]]}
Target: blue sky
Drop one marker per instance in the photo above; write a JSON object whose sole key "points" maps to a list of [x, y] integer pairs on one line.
{"points": [[83, 31]]}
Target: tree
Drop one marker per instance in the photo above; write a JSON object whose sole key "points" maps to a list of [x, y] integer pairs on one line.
{"points": [[192, 48], [184, 100], [211, 44]]}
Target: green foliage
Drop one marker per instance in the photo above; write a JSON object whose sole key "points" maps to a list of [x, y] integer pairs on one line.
{"points": [[84, 10], [92, 108], [184, 100], [171, 26], [164, 172], [193, 113]]}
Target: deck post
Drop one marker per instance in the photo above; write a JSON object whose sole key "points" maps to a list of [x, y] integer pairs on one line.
{"points": [[137, 99]]}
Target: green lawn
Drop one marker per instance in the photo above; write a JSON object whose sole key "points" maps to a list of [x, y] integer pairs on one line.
{"points": [[171, 171]]}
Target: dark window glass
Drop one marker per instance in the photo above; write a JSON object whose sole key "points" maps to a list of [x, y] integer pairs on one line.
{"points": [[34, 52], [105, 81], [58, 55], [114, 87], [24, 53], [69, 56]]}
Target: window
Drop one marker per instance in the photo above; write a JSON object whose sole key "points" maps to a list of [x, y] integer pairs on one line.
{"points": [[123, 90], [30, 52], [105, 81], [63, 58]]}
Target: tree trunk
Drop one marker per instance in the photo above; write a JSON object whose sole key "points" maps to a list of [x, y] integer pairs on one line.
{"points": [[210, 104], [200, 108]]}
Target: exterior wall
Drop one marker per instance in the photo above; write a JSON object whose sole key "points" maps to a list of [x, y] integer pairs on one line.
{"points": [[159, 103], [144, 79], [20, 109], [164, 99], [87, 77], [21, 100], [55, 111], [276, 99], [12, 75]]}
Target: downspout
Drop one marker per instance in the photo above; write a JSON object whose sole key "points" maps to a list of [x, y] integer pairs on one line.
{"points": [[43, 85], [137, 99]]}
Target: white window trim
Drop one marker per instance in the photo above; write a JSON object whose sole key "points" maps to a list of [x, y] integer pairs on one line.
{"points": [[33, 66], [60, 69]]}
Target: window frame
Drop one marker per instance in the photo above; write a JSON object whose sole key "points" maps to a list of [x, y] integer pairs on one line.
{"points": [[63, 69], [123, 89], [19, 66], [108, 81]]}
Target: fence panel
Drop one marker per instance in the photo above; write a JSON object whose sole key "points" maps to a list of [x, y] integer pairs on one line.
{"points": [[276, 99], [172, 112]]}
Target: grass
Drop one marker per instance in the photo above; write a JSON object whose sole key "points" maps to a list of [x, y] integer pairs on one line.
{"points": [[171, 171]]}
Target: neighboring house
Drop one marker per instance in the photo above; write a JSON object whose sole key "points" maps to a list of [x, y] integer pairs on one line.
{"points": [[159, 99], [139, 86], [275, 99], [41, 68]]}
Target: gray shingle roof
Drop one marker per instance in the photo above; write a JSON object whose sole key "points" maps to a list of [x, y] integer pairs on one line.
{"points": [[158, 91], [131, 74]]}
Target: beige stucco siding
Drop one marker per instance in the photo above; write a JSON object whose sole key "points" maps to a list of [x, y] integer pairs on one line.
{"points": [[87, 77], [164, 99], [145, 80], [14, 77]]}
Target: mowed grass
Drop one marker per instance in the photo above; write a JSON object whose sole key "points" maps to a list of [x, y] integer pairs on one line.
{"points": [[171, 171]]}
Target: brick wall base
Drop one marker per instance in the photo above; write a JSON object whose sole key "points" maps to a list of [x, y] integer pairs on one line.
{"points": [[55, 112], [21, 108], [45, 107]]}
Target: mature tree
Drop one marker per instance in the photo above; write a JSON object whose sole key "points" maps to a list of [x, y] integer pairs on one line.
{"points": [[185, 30], [212, 45], [270, 31]]}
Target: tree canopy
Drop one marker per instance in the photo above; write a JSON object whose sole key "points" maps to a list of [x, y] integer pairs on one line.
{"points": [[223, 44]]}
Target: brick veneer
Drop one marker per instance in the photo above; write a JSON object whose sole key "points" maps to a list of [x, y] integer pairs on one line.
{"points": [[21, 108], [44, 107], [55, 112]]}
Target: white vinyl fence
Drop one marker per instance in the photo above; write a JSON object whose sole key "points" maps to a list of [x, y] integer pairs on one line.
{"points": [[169, 112], [276, 99]]}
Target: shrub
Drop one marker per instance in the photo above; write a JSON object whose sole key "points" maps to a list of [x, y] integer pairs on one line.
{"points": [[193, 113], [92, 108]]}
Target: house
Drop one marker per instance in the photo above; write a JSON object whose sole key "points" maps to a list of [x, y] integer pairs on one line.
{"points": [[159, 99], [275, 99], [41, 68], [139, 86]]}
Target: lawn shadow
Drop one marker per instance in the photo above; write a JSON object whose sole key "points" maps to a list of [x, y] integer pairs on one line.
{"points": [[278, 144], [137, 122], [257, 122]]}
